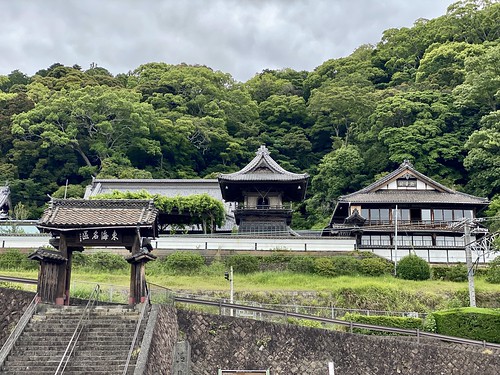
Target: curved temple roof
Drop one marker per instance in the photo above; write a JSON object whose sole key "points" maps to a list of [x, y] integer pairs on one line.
{"points": [[262, 173], [263, 168]]}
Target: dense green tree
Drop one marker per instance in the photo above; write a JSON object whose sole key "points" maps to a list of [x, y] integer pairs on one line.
{"points": [[339, 172], [483, 159], [96, 122]]}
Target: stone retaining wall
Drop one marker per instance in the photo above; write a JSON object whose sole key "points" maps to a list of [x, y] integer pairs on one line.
{"points": [[13, 303], [161, 351], [232, 343]]}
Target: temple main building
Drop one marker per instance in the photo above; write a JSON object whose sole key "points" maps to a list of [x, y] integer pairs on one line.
{"points": [[263, 192]]}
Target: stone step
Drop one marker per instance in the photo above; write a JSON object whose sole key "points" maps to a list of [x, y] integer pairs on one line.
{"points": [[91, 354]]}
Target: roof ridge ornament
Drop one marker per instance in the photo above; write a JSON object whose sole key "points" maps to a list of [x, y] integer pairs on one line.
{"points": [[262, 150], [406, 163]]}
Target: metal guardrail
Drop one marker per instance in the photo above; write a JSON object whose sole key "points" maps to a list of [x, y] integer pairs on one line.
{"points": [[94, 297], [18, 280], [14, 335], [136, 334], [286, 314]]}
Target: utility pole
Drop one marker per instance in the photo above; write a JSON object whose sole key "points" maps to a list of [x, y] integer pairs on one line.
{"points": [[229, 276], [396, 240], [468, 259]]}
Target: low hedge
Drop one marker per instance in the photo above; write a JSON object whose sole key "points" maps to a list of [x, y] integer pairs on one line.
{"points": [[384, 321], [469, 322]]}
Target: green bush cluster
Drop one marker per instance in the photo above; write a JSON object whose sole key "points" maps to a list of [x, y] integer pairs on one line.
{"points": [[493, 271], [457, 273], [100, 261], [469, 322], [243, 263], [15, 260], [412, 267], [184, 262], [348, 265], [384, 321], [301, 264]]}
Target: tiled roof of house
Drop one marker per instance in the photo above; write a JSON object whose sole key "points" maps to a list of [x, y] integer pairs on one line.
{"points": [[374, 193], [82, 213], [263, 168], [408, 196], [164, 187]]}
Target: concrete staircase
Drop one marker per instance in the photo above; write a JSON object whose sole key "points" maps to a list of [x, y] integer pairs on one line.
{"points": [[102, 348]]}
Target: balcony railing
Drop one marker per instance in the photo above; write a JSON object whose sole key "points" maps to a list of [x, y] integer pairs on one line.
{"points": [[286, 206]]}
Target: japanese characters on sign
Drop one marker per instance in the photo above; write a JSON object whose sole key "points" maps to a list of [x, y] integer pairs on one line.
{"points": [[101, 236]]}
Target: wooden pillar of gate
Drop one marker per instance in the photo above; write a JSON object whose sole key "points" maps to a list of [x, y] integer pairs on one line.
{"points": [[52, 264], [140, 256], [62, 273]]}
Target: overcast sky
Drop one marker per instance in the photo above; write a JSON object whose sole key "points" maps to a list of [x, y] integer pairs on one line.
{"points": [[240, 37]]}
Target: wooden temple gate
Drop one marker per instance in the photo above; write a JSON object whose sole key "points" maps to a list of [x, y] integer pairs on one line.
{"points": [[77, 223]]}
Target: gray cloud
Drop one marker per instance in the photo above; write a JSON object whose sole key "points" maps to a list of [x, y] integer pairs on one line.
{"points": [[240, 37]]}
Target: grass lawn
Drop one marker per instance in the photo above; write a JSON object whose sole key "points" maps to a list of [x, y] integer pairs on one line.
{"points": [[384, 292]]}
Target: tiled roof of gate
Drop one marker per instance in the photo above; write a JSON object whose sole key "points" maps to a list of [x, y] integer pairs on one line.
{"points": [[263, 168], [82, 213]]}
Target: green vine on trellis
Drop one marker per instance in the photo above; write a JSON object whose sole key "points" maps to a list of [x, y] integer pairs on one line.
{"points": [[202, 208]]}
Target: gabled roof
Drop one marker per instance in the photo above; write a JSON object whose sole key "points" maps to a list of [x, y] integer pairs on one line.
{"points": [[381, 191], [263, 168], [66, 214]]}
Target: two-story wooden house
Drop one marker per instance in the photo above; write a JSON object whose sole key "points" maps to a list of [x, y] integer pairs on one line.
{"points": [[429, 215]]}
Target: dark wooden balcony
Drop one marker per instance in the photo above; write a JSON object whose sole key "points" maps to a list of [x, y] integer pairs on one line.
{"points": [[263, 212]]}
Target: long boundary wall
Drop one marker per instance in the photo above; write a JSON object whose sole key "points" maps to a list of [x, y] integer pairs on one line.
{"points": [[303, 245]]}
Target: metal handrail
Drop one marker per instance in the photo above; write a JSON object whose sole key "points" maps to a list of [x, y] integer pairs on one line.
{"points": [[94, 297], [136, 334], [16, 332], [351, 325]]}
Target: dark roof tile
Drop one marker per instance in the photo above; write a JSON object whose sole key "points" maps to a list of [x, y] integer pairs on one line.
{"points": [[64, 213]]}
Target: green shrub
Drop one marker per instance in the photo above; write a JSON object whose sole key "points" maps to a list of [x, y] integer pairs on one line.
{"points": [[14, 259], [104, 261], [337, 266], [412, 267], [243, 263], [493, 271], [469, 322], [375, 266], [185, 262], [457, 273], [301, 264], [277, 256], [384, 321], [158, 267], [324, 267]]}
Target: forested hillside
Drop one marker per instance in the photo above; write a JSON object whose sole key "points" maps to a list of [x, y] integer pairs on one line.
{"points": [[429, 93]]}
